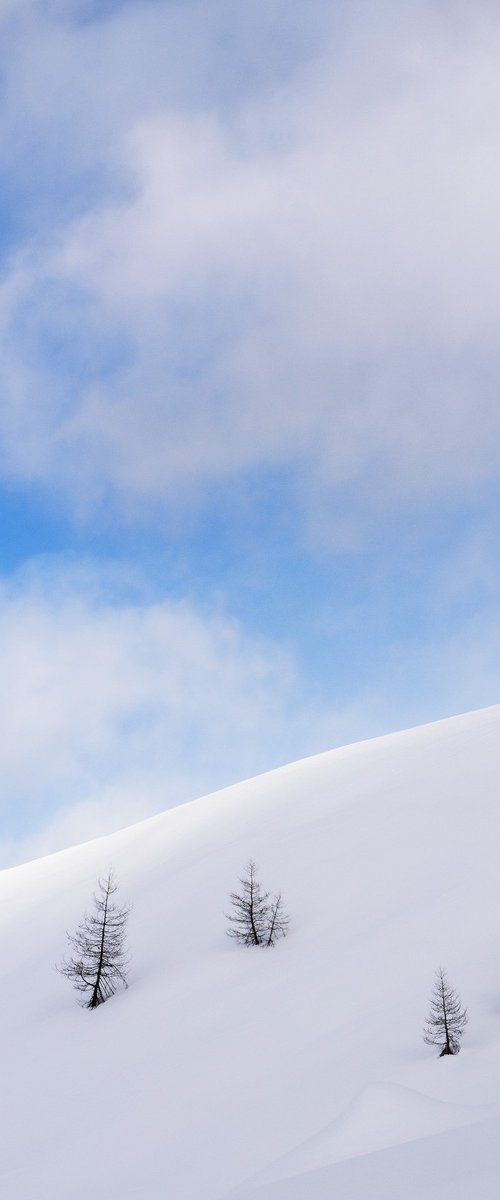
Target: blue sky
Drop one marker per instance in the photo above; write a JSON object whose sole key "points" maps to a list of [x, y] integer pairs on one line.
{"points": [[249, 415]]}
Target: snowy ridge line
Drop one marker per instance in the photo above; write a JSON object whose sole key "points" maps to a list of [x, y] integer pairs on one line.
{"points": [[221, 1061]]}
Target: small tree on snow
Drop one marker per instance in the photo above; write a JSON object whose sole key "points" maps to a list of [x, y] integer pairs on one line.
{"points": [[98, 961], [257, 918], [447, 1019], [278, 921]]}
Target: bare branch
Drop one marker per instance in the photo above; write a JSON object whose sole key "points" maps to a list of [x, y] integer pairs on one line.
{"points": [[447, 1020], [257, 919], [98, 961]]}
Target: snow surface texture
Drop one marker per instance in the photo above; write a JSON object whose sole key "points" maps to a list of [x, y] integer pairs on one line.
{"points": [[292, 1073]]}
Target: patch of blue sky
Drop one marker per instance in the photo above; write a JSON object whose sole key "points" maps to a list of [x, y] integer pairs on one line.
{"points": [[29, 528], [345, 614], [58, 331]]}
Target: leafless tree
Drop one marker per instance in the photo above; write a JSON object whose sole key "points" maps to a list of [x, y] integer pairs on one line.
{"points": [[257, 918], [447, 1019], [278, 921], [97, 964]]}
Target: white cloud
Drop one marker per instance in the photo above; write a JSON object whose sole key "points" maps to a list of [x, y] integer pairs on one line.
{"points": [[112, 708], [308, 276]]}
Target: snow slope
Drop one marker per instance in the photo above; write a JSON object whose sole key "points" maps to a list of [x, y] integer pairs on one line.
{"points": [[296, 1073]]}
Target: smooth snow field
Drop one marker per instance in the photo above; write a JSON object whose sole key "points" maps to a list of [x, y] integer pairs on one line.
{"points": [[296, 1072]]}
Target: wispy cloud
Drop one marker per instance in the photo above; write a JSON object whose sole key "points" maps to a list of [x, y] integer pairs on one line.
{"points": [[114, 706]]}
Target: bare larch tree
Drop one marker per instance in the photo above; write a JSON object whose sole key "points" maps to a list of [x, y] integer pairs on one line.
{"points": [[97, 964], [258, 919], [447, 1019], [278, 921]]}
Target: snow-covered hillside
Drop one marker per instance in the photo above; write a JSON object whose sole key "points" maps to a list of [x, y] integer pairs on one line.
{"points": [[295, 1073]]}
